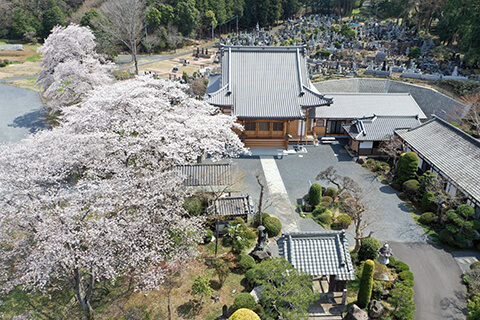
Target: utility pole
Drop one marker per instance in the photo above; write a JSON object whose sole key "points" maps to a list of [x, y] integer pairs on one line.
{"points": [[213, 36]]}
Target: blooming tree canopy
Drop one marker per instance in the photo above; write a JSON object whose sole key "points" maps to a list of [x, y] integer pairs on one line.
{"points": [[96, 199], [71, 66]]}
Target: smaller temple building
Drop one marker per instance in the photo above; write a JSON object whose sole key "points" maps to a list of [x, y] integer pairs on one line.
{"points": [[321, 254]]}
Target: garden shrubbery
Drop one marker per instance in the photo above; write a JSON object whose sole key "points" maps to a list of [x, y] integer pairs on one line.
{"points": [[245, 262], [366, 284], [407, 167], [331, 192], [272, 225], [427, 218], [368, 249], [256, 219], [411, 187], [314, 196], [193, 205], [244, 300], [238, 235], [344, 221]]}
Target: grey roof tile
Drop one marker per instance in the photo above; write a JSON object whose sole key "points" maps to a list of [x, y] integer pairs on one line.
{"points": [[359, 105], [452, 151], [205, 174], [231, 206], [379, 128], [265, 82], [318, 253]]}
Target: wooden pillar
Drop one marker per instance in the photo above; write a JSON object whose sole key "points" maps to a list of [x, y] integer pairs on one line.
{"points": [[331, 284]]}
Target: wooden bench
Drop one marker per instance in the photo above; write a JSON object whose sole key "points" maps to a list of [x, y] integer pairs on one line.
{"points": [[326, 140]]}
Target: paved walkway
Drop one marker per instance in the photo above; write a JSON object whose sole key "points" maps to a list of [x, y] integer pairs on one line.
{"points": [[279, 196]]}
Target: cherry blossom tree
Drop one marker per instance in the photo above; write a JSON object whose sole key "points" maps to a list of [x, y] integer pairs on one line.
{"points": [[95, 199], [71, 66]]}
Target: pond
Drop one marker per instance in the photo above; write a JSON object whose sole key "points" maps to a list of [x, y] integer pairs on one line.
{"points": [[21, 113]]}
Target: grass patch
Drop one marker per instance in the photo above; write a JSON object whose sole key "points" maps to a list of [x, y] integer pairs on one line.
{"points": [[26, 84], [34, 58]]}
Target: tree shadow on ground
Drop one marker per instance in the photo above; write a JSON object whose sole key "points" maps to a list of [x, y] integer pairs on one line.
{"points": [[387, 190], [34, 121], [189, 310]]}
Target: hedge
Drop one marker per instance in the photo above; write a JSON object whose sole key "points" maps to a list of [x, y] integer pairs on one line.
{"points": [[245, 262], [272, 225], [407, 166], [314, 194], [401, 266], [244, 300], [368, 249], [411, 187], [366, 284], [244, 314], [344, 221], [427, 218], [428, 202]]}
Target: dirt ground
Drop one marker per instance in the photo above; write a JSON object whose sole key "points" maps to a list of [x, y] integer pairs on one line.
{"points": [[24, 63]]}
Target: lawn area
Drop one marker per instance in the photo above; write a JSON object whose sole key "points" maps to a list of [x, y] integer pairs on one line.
{"points": [[26, 84]]}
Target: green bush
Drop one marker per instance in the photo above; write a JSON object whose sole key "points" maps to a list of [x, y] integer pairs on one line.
{"points": [[401, 266], [331, 192], [244, 314], [244, 300], [368, 249], [256, 219], [392, 262], [428, 202], [465, 210], [406, 275], [407, 167], [344, 221], [411, 187], [319, 209], [314, 194], [403, 196], [427, 218], [251, 277], [245, 262], [335, 226], [238, 235], [208, 236], [325, 219], [273, 226], [446, 237], [327, 199], [475, 265], [193, 206], [366, 284]]}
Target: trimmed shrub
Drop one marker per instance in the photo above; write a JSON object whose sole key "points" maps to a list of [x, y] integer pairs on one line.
{"points": [[325, 218], [368, 249], [403, 196], [331, 192], [446, 237], [245, 262], [465, 210], [319, 209], [411, 187], [272, 225], [427, 218], [208, 236], [193, 206], [401, 266], [406, 275], [244, 314], [256, 219], [407, 166], [327, 199], [428, 202], [366, 284], [244, 300], [392, 262], [344, 221], [326, 204], [475, 265], [315, 194], [335, 226], [251, 277]]}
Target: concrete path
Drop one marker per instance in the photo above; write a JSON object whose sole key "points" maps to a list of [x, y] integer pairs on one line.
{"points": [[439, 291], [278, 194]]}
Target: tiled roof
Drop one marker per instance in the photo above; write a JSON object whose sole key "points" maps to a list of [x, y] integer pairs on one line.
{"points": [[359, 105], [318, 253], [206, 174], [264, 83], [452, 151], [231, 206], [430, 101], [379, 128]]}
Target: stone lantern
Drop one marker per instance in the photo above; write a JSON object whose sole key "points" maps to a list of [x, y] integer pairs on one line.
{"points": [[384, 253]]}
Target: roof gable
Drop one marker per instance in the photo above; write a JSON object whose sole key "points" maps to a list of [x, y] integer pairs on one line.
{"points": [[379, 128], [265, 82]]}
